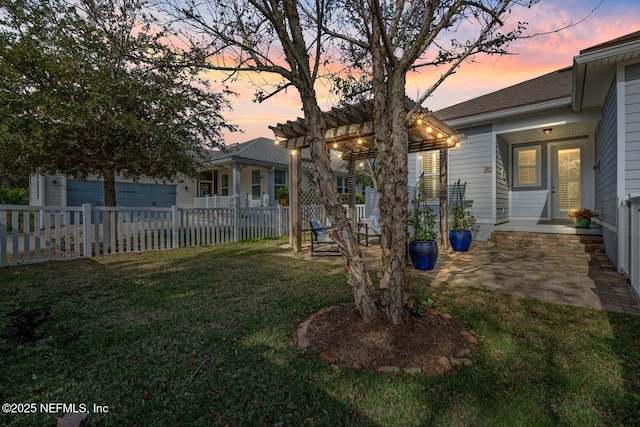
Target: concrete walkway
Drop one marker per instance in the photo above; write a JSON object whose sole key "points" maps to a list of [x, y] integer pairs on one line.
{"points": [[569, 278]]}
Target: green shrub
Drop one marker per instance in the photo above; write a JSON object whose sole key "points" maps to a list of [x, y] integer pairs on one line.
{"points": [[345, 198], [14, 196]]}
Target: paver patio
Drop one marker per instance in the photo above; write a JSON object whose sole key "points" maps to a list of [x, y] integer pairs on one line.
{"points": [[570, 278]]}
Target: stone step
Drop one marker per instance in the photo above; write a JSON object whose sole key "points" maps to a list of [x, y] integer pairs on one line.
{"points": [[548, 241]]}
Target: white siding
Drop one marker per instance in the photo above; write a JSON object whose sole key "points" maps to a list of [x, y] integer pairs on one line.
{"points": [[606, 160], [471, 163], [413, 168], [632, 129], [54, 190], [502, 179], [529, 204], [35, 190]]}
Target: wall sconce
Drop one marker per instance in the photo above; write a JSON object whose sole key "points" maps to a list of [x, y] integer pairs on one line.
{"points": [[186, 188], [596, 167], [54, 183], [547, 131]]}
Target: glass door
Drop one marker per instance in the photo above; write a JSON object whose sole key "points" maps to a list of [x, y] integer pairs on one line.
{"points": [[566, 180]]}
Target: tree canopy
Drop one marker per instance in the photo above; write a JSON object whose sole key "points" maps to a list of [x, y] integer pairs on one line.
{"points": [[378, 43], [89, 87]]}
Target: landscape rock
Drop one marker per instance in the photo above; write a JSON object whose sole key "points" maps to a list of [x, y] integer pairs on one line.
{"points": [[470, 337], [389, 369], [465, 352], [303, 342], [412, 370], [444, 363], [328, 357]]}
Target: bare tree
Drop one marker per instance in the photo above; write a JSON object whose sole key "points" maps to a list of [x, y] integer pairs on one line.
{"points": [[383, 41], [393, 38], [279, 37]]}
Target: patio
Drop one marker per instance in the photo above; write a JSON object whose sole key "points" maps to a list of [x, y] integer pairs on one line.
{"points": [[568, 277]]}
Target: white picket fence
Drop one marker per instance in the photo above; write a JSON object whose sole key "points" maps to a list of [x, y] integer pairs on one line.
{"points": [[31, 234]]}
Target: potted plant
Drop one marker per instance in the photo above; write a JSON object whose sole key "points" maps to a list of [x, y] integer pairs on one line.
{"points": [[582, 217], [282, 194], [460, 228], [423, 249]]}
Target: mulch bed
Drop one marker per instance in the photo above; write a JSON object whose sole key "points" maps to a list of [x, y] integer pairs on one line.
{"points": [[340, 336]]}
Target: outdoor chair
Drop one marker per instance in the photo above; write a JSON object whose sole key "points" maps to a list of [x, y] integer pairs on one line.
{"points": [[369, 227], [320, 239]]}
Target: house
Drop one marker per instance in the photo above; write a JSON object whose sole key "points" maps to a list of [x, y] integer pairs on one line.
{"points": [[253, 171], [538, 149], [61, 190]]}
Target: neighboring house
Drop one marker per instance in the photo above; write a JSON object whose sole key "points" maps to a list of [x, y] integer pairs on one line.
{"points": [[536, 150], [60, 190], [253, 170]]}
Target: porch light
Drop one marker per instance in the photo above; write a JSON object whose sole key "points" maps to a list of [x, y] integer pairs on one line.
{"points": [[335, 145], [359, 140], [547, 131], [276, 142]]}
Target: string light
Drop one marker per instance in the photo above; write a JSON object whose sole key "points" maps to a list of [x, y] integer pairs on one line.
{"points": [[439, 135], [419, 121], [276, 142], [359, 140], [429, 129], [335, 145]]}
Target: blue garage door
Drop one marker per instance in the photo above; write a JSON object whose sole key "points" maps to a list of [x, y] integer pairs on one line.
{"points": [[127, 194]]}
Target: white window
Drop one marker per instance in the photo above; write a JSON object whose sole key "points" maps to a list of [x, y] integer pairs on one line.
{"points": [[280, 178], [255, 184], [527, 166], [430, 173], [342, 184], [225, 185]]}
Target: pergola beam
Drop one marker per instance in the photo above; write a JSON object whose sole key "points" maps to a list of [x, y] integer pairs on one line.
{"points": [[350, 130]]}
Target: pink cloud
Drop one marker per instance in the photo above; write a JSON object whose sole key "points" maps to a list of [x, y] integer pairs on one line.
{"points": [[532, 58]]}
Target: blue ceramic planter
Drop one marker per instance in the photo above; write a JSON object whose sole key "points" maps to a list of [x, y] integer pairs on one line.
{"points": [[460, 240], [423, 254]]}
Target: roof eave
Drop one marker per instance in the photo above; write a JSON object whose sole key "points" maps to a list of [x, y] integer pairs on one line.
{"points": [[478, 119], [581, 61]]}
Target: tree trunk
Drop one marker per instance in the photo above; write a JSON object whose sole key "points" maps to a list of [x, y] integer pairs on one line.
{"points": [[388, 87], [109, 182], [343, 234], [392, 185]]}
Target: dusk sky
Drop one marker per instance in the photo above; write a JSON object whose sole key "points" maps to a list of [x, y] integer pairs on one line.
{"points": [[532, 58]]}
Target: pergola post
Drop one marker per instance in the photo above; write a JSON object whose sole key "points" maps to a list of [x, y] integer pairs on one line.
{"points": [[295, 205], [444, 189], [351, 182]]}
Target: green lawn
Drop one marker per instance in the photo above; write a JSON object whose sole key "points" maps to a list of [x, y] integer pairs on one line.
{"points": [[201, 337]]}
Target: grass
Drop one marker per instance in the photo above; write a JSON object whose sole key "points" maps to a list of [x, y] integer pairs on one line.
{"points": [[203, 336]]}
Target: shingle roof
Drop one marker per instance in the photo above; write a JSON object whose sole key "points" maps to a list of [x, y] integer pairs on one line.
{"points": [[620, 40], [549, 87], [262, 150]]}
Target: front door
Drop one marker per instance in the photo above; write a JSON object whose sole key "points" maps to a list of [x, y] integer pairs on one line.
{"points": [[566, 179]]}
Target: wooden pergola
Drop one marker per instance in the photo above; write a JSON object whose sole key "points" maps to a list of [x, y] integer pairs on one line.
{"points": [[350, 130]]}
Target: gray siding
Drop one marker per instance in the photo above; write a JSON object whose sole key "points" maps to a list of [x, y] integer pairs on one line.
{"points": [[467, 163], [502, 179], [632, 129], [54, 193], [606, 159]]}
